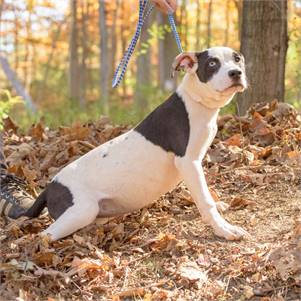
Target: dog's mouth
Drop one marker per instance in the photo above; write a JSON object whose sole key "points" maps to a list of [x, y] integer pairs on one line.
{"points": [[239, 84], [235, 87]]}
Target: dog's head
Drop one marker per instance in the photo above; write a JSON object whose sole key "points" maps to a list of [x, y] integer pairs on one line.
{"points": [[218, 70]]}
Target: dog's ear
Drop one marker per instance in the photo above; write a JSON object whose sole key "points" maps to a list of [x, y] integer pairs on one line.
{"points": [[186, 61]]}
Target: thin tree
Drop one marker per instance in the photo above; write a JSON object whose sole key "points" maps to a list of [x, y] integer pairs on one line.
{"points": [[198, 26], [16, 38], [84, 44], [26, 72], [113, 34], [238, 5], [73, 54], [209, 17], [185, 37], [123, 30], [104, 56], [167, 52], [50, 57], [143, 77], [227, 17], [16, 84]]}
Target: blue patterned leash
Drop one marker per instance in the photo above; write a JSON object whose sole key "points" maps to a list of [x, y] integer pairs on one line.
{"points": [[143, 14], [174, 31]]}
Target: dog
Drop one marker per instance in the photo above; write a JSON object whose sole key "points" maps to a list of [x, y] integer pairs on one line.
{"points": [[133, 170]]}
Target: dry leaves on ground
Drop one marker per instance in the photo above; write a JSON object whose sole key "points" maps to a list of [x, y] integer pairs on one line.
{"points": [[166, 252]]}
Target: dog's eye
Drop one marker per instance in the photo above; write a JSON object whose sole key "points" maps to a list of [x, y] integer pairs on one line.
{"points": [[212, 63], [237, 59]]}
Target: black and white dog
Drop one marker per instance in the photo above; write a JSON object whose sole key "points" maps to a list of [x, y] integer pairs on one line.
{"points": [[136, 168]]}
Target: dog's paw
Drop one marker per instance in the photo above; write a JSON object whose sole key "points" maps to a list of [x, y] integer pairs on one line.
{"points": [[222, 206], [230, 232], [47, 235]]}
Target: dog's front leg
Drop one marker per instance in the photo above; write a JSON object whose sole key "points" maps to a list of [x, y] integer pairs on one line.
{"points": [[193, 176]]}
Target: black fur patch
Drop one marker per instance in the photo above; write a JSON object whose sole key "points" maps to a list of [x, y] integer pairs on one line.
{"points": [[205, 72], [167, 126], [59, 199]]}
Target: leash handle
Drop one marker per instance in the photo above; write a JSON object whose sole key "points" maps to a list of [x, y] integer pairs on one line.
{"points": [[174, 31], [120, 71], [143, 15]]}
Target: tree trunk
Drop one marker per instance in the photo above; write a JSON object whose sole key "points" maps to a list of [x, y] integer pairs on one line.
{"points": [[143, 70], [264, 44], [16, 39], [104, 56], [26, 72], [238, 4], [123, 29], [185, 35], [183, 24], [209, 24], [73, 54], [198, 26], [227, 12], [48, 63], [84, 42], [168, 50], [113, 34], [16, 84]]}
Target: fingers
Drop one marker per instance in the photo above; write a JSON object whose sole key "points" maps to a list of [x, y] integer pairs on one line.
{"points": [[166, 6]]}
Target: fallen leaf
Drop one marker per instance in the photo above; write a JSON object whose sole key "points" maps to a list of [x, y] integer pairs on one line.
{"points": [[191, 272], [9, 125], [248, 291], [134, 292], [160, 295], [37, 131], [44, 258], [234, 140], [20, 152], [164, 242], [239, 203]]}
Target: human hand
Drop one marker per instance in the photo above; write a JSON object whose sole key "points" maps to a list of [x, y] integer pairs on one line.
{"points": [[166, 6]]}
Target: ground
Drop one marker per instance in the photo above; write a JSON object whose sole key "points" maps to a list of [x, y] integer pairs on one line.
{"points": [[165, 251]]}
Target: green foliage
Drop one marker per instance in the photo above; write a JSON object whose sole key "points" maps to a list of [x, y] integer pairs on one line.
{"points": [[62, 113], [67, 112], [230, 108], [7, 102], [155, 32], [293, 63], [293, 73]]}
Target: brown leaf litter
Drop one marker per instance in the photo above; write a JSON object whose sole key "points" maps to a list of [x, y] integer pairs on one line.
{"points": [[165, 251]]}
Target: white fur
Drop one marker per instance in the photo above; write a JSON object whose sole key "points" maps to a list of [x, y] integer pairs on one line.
{"points": [[135, 172], [221, 81]]}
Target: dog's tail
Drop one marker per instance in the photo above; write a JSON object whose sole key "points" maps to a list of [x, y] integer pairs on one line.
{"points": [[38, 206]]}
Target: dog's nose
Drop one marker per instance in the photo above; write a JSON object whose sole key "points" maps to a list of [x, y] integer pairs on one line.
{"points": [[235, 74]]}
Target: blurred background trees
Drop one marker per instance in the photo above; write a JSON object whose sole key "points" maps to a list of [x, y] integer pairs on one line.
{"points": [[64, 53]]}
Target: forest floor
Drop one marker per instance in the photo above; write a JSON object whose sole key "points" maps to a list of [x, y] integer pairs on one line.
{"points": [[165, 251]]}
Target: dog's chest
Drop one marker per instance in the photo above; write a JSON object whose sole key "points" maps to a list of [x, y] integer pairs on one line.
{"points": [[203, 129]]}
